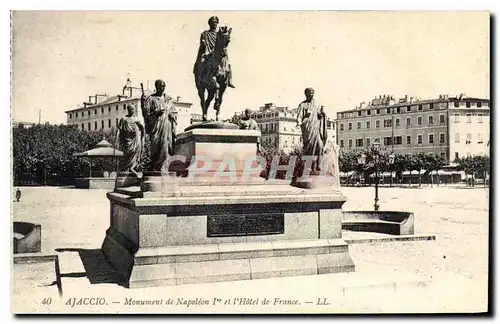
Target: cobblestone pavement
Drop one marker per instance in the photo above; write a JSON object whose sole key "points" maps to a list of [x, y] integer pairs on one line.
{"points": [[455, 265]]}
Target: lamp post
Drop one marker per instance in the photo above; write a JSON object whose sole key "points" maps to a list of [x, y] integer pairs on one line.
{"points": [[375, 153]]}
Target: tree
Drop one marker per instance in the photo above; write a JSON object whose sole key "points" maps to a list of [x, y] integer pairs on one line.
{"points": [[432, 162], [44, 153], [419, 164], [400, 165]]}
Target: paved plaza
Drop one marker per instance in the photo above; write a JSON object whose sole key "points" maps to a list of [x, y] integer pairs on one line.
{"points": [[448, 274]]}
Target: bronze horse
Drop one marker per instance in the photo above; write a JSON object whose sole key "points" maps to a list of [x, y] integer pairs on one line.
{"points": [[212, 74]]}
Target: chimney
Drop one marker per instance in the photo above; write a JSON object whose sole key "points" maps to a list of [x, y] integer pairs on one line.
{"points": [[411, 99], [178, 98], [90, 98]]}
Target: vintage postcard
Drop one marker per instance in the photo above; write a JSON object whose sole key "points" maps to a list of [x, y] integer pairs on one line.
{"points": [[238, 162]]}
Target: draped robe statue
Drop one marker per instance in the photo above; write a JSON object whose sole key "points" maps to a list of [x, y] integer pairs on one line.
{"points": [[160, 117], [130, 138], [310, 118]]}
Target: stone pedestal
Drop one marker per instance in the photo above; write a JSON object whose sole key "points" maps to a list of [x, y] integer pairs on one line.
{"points": [[210, 229]]}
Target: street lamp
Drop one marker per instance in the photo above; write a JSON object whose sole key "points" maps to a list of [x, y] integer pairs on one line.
{"points": [[375, 153]]}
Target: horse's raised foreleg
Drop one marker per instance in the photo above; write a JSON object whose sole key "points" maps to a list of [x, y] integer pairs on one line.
{"points": [[218, 100]]}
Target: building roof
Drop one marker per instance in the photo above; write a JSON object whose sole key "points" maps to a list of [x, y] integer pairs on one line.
{"points": [[419, 102], [102, 149], [117, 99]]}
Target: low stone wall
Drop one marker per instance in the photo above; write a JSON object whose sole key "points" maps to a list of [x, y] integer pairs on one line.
{"points": [[95, 183], [388, 222], [27, 237]]}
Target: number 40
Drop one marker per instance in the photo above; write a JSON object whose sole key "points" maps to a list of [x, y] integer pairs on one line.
{"points": [[47, 301]]}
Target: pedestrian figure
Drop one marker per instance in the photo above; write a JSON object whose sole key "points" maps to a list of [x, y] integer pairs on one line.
{"points": [[18, 194]]}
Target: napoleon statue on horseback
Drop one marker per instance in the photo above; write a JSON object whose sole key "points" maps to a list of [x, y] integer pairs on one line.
{"points": [[212, 71]]}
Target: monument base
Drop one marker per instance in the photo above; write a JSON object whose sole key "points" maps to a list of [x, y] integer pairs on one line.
{"points": [[188, 264], [224, 233]]}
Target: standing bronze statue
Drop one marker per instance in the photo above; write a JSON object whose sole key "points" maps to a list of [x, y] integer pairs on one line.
{"points": [[311, 118], [160, 118], [131, 138], [212, 71]]}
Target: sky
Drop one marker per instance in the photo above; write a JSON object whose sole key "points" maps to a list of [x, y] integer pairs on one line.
{"points": [[60, 58]]}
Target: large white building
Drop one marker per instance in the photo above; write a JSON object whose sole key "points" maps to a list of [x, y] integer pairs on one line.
{"points": [[102, 112], [450, 126]]}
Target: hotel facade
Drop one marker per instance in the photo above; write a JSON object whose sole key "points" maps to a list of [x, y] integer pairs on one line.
{"points": [[449, 126], [102, 112]]}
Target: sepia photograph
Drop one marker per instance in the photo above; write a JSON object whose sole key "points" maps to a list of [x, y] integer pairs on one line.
{"points": [[250, 162]]}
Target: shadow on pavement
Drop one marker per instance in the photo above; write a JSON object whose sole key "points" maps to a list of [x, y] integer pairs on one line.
{"points": [[97, 268]]}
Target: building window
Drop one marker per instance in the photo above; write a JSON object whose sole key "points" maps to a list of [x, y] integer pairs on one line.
{"points": [[95, 111], [88, 126], [76, 115], [388, 110], [457, 118], [387, 122], [116, 122], [441, 138], [479, 118], [469, 118], [70, 116], [479, 104], [456, 155], [124, 107], [102, 124], [341, 143], [431, 138], [359, 142], [408, 121], [420, 108], [457, 138], [408, 109], [377, 124], [479, 138], [419, 139], [367, 142], [109, 123], [398, 110], [102, 110], [419, 121], [342, 127], [457, 104], [398, 140], [350, 143], [441, 119], [408, 140], [349, 126], [387, 141], [88, 112], [359, 125], [359, 113], [431, 106], [378, 111], [431, 120], [83, 126], [468, 138], [109, 109], [467, 104], [368, 125], [397, 122], [368, 112], [116, 108], [95, 125]]}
